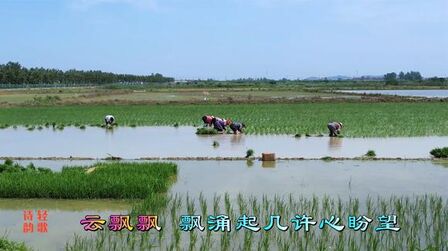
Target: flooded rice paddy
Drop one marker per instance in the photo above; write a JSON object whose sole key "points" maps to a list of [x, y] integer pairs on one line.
{"points": [[306, 178], [144, 142], [210, 178], [405, 93], [348, 178]]}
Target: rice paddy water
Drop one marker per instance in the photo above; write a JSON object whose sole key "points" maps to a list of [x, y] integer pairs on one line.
{"points": [[409, 189], [134, 143]]}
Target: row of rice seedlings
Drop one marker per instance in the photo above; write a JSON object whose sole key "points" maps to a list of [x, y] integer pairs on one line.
{"points": [[104, 180], [360, 119], [422, 222]]}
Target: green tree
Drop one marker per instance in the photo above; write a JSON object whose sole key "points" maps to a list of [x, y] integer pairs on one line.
{"points": [[391, 78]]}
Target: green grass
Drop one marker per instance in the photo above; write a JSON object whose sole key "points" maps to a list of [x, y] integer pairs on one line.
{"points": [[360, 119], [422, 220], [104, 180], [8, 245]]}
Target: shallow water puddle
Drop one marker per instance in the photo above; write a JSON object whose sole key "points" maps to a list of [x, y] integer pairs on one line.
{"points": [[132, 143], [407, 93]]}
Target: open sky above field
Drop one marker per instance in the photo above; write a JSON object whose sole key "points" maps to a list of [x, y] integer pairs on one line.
{"points": [[226, 39]]}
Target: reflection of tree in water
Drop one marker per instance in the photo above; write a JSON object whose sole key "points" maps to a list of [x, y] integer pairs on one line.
{"points": [[443, 163], [334, 143], [236, 139]]}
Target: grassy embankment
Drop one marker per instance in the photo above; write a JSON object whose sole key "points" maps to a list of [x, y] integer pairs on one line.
{"points": [[360, 119], [107, 180]]}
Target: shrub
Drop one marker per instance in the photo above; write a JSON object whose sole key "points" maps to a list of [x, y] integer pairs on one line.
{"points": [[249, 153], [440, 152], [370, 153]]}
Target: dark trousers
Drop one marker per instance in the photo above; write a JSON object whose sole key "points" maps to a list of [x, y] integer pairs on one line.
{"points": [[333, 130]]}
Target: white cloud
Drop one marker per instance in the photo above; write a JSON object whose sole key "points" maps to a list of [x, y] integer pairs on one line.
{"points": [[142, 4]]}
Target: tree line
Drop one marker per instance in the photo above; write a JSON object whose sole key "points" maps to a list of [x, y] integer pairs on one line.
{"points": [[393, 78], [15, 74]]}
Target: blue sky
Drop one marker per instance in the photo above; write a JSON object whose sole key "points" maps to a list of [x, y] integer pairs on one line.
{"points": [[226, 39]]}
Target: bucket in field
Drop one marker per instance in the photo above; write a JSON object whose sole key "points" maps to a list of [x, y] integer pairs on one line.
{"points": [[268, 156]]}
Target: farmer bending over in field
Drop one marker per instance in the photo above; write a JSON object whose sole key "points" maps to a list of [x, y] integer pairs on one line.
{"points": [[109, 119], [219, 124], [335, 128], [207, 120], [237, 127]]}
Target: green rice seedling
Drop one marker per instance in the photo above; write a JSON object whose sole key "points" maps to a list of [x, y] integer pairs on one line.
{"points": [[215, 143], [103, 180], [298, 135], [370, 153], [390, 118], [418, 231], [206, 131], [440, 152], [176, 124], [31, 128], [7, 245], [133, 125], [327, 158], [82, 127], [250, 153]]}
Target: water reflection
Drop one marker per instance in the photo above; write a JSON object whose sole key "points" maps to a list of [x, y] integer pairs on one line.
{"points": [[334, 143], [268, 164], [236, 139]]}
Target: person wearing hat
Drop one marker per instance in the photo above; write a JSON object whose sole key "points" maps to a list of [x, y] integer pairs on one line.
{"points": [[109, 120], [335, 128]]}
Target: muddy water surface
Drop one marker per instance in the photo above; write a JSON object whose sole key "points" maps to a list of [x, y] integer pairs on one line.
{"points": [[132, 143]]}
